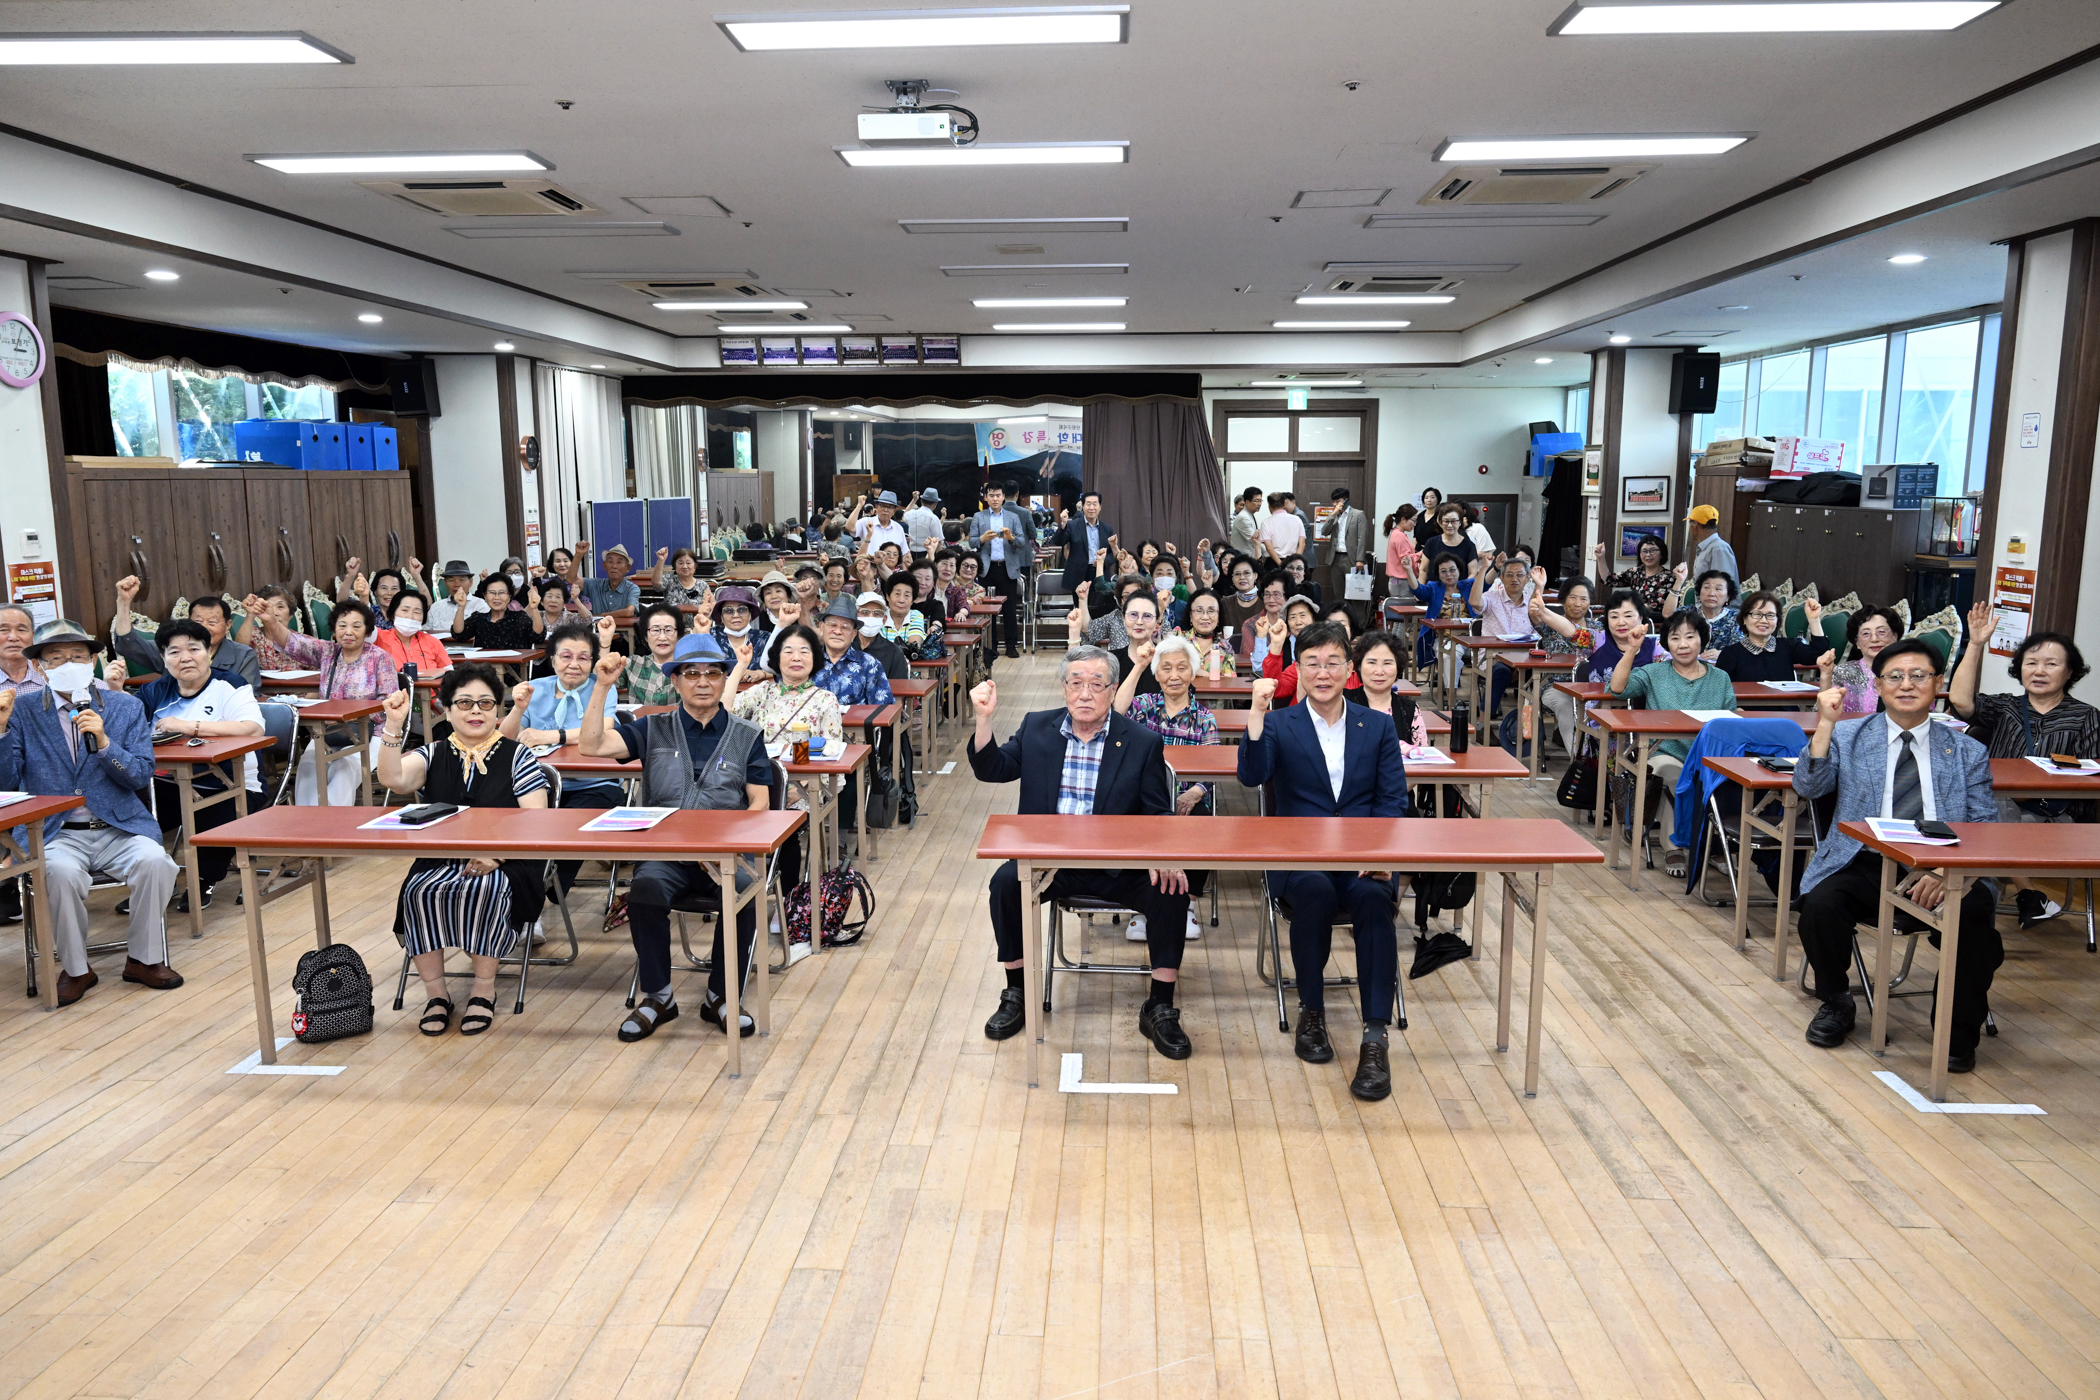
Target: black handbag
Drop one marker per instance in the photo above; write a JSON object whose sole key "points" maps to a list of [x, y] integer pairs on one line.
{"points": [[334, 995], [882, 796], [1578, 786]]}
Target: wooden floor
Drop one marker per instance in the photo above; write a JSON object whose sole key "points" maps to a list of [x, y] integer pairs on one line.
{"points": [[1697, 1203]]}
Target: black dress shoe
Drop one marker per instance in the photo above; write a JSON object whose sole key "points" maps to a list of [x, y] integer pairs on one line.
{"points": [[1012, 1014], [1313, 1045], [182, 900], [1374, 1076], [1959, 1062], [1440, 951], [1832, 1023], [1161, 1025]]}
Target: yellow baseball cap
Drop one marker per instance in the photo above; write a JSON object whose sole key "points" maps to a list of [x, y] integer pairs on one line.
{"points": [[1704, 515]]}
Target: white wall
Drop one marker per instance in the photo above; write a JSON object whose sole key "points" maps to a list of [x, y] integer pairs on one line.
{"points": [[776, 449], [466, 461], [2023, 475], [25, 469]]}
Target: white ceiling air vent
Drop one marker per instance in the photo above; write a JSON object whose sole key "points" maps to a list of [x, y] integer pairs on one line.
{"points": [[482, 199], [697, 289], [1531, 184], [1390, 284]]}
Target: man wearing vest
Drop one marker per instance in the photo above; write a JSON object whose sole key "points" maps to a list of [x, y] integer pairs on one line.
{"points": [[697, 756]]}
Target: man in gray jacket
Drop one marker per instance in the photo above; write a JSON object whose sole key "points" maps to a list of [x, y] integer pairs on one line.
{"points": [[140, 655], [1005, 541], [1343, 543]]}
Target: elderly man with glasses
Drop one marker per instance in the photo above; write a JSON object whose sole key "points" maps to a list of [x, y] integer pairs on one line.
{"points": [[697, 756], [1085, 760], [1898, 765]]}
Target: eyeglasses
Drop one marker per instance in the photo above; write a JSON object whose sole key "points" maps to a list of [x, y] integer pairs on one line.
{"points": [[1914, 677], [698, 673], [1085, 687], [663, 630], [484, 704], [1766, 615], [1323, 668]]}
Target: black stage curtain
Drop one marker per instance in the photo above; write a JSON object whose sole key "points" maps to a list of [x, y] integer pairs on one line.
{"points": [[83, 409], [92, 333], [1156, 472], [906, 389]]}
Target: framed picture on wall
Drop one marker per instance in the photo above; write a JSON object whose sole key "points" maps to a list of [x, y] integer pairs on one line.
{"points": [[859, 350], [739, 352], [1593, 472], [779, 350], [1641, 494], [1630, 537]]}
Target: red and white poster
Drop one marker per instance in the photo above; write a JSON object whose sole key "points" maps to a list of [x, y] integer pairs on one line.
{"points": [[2012, 594], [35, 586]]}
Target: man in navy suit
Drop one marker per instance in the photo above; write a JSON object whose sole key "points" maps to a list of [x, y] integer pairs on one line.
{"points": [[1086, 760], [1899, 765], [1329, 758], [1083, 538]]}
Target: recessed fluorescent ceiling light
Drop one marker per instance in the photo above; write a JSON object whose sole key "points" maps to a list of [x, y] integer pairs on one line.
{"points": [[1039, 418], [989, 153], [929, 29], [1305, 383], [1114, 223], [37, 49], [1622, 340], [505, 346], [1900, 260], [1769, 16], [1499, 148], [404, 163], [782, 326], [163, 275], [371, 318], [1543, 360], [597, 366], [1339, 325], [1375, 301], [1058, 326], [754, 304], [622, 229], [1039, 303]]}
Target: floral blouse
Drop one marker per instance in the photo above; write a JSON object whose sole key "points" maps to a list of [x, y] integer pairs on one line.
{"points": [[678, 595], [646, 683], [1194, 725], [773, 707], [1206, 647], [1657, 592], [368, 677]]}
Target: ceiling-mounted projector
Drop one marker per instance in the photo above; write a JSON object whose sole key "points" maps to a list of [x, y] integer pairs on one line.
{"points": [[877, 128]]}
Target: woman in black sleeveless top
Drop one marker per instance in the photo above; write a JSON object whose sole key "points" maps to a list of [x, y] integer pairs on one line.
{"points": [[478, 906]]}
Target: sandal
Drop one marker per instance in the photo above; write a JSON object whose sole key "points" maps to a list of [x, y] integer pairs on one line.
{"points": [[436, 1021], [617, 915], [648, 1014], [475, 1022], [1676, 863]]}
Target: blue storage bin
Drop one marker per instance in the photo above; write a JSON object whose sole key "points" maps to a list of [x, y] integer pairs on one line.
{"points": [[267, 440], [359, 438], [386, 448], [325, 447]]}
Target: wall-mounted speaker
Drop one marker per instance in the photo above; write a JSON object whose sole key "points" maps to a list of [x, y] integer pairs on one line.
{"points": [[1695, 381], [414, 386]]}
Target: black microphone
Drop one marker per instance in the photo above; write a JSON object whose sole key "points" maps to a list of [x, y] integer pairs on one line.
{"points": [[88, 742]]}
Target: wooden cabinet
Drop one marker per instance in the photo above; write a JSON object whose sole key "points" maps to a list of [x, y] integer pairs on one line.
{"points": [[280, 547], [230, 530], [1841, 549]]}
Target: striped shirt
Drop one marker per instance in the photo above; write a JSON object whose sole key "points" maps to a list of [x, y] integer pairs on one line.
{"points": [[1075, 788]]}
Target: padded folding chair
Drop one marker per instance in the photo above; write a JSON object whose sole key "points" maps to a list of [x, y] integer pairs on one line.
{"points": [[1050, 602], [94, 950], [1268, 953], [521, 957]]}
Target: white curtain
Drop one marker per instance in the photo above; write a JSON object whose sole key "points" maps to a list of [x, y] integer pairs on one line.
{"points": [[583, 445], [667, 443]]}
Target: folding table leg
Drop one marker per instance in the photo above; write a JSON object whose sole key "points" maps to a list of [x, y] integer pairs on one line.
{"points": [[1536, 1013]]}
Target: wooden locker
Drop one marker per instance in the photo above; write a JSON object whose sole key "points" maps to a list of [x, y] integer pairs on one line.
{"points": [[339, 524], [207, 533], [126, 513]]}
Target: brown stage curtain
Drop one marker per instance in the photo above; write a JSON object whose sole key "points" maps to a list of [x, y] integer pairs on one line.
{"points": [[1156, 472]]}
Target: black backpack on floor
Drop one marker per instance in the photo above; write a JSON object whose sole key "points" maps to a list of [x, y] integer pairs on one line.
{"points": [[334, 995]]}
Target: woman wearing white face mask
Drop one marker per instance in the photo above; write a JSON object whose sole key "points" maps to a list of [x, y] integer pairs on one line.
{"points": [[406, 641]]}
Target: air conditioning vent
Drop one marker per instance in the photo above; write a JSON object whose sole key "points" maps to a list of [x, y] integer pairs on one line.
{"points": [[697, 289], [483, 199], [1411, 286], [1532, 184]]}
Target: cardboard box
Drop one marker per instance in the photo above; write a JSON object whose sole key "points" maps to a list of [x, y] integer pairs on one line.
{"points": [[1798, 456]]}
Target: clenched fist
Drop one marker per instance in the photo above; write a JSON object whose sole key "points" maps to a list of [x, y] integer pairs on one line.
{"points": [[1830, 704], [984, 699], [1263, 694]]}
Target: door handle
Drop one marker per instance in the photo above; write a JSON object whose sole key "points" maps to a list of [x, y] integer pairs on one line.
{"points": [[342, 552], [393, 549], [141, 569], [286, 557], [217, 555]]}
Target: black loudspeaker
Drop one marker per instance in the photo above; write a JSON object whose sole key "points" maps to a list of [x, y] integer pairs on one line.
{"points": [[414, 384], [1695, 381]]}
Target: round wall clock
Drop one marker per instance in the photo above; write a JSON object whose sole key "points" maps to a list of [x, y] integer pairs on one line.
{"points": [[22, 354]]}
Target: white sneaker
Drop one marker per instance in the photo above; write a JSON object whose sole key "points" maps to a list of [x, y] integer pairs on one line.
{"points": [[1195, 924], [773, 925], [1136, 932], [538, 936]]}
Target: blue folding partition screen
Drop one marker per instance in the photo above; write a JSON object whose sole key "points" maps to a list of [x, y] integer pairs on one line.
{"points": [[619, 522]]}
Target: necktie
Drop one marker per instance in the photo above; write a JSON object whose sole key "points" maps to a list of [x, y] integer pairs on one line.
{"points": [[1907, 799]]}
